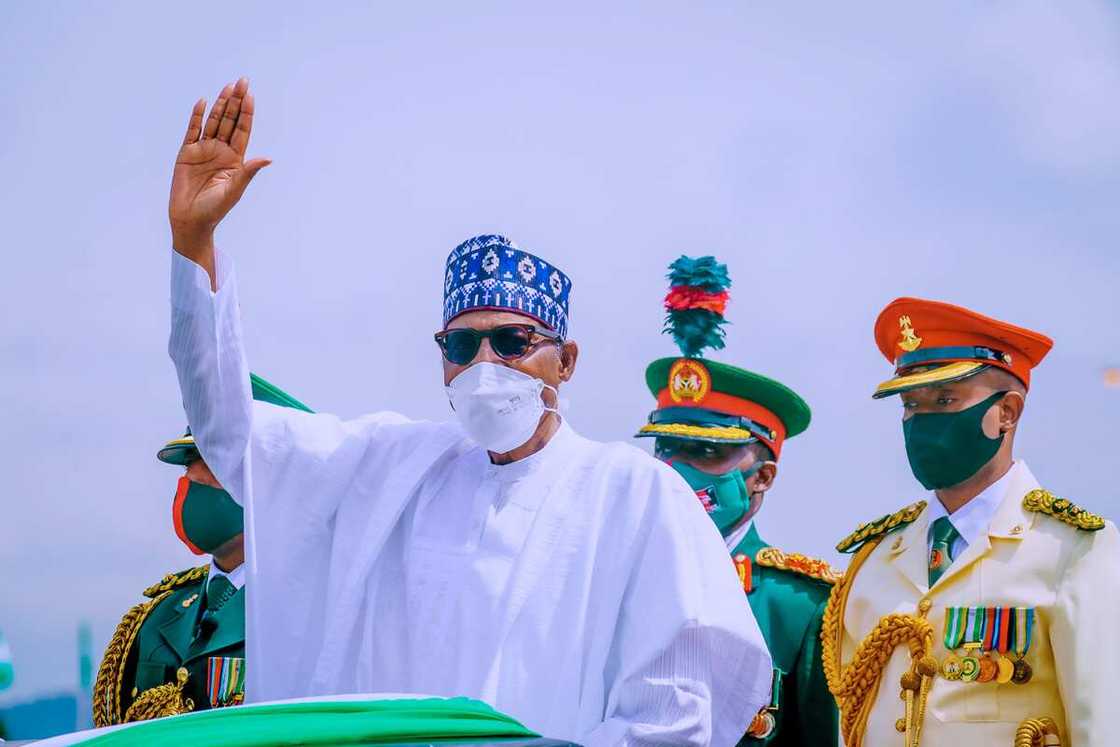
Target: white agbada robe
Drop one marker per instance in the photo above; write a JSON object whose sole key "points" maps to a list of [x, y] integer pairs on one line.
{"points": [[582, 590]]}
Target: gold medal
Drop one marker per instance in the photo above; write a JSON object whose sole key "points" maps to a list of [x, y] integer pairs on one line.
{"points": [[763, 725], [988, 669], [951, 668], [970, 668], [1022, 672], [1006, 670]]}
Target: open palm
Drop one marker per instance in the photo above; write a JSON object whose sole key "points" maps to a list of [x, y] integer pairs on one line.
{"points": [[211, 172]]}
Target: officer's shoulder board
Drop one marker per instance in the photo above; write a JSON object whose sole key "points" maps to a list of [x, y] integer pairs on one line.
{"points": [[794, 562], [1044, 502], [175, 580], [885, 525]]}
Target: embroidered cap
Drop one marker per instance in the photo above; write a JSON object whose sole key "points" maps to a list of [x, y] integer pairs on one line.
{"points": [[490, 272]]}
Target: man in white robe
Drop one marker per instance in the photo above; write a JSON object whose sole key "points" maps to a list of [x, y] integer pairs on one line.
{"points": [[575, 585]]}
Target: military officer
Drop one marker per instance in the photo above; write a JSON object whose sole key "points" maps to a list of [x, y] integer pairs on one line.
{"points": [[722, 428], [991, 606], [184, 648]]}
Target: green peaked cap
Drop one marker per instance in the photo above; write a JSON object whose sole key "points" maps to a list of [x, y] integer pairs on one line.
{"points": [[703, 400], [183, 450], [724, 419]]}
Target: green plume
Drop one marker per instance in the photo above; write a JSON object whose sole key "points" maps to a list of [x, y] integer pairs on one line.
{"points": [[704, 273], [697, 294], [695, 330]]}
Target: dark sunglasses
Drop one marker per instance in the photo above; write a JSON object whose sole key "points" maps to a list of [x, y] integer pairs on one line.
{"points": [[508, 341]]}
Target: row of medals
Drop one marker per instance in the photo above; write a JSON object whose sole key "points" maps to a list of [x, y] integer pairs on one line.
{"points": [[989, 666]]}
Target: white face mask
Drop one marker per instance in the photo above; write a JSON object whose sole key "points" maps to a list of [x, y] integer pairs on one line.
{"points": [[499, 407]]}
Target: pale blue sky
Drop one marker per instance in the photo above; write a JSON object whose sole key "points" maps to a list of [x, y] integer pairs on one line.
{"points": [[834, 156]]}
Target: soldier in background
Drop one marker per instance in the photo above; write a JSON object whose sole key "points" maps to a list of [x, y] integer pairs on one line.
{"points": [[184, 648], [722, 428]]}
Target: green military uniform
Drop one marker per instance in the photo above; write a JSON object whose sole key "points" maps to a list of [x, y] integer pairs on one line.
{"points": [[788, 594], [700, 402], [160, 659], [183, 648]]}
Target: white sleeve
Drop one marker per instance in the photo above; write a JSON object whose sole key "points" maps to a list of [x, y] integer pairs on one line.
{"points": [[205, 345], [1083, 636], [258, 452], [690, 664]]}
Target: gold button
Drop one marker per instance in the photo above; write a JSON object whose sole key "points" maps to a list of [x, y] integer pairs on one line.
{"points": [[1017, 529], [900, 725], [924, 606], [135, 691]]}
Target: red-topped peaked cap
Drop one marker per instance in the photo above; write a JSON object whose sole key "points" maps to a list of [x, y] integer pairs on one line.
{"points": [[932, 342]]}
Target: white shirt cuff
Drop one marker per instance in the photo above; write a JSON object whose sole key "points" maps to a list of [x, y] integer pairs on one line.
{"points": [[190, 283]]}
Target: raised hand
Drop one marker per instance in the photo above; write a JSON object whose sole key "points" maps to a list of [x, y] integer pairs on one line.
{"points": [[211, 172]]}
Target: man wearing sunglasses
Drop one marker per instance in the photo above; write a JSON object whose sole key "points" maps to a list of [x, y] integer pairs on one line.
{"points": [[502, 557], [722, 427]]}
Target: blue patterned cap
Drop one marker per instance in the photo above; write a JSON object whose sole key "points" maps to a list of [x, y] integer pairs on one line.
{"points": [[490, 272]]}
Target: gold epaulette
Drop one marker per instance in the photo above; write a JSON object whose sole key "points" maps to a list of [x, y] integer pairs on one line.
{"points": [[879, 527], [1044, 502], [772, 557], [175, 580]]}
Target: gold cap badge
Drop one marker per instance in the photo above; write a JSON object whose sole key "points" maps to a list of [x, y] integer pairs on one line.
{"points": [[689, 380], [910, 341]]}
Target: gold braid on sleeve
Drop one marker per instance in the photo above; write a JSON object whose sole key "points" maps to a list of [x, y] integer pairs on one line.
{"points": [[110, 675], [855, 686], [1037, 732]]}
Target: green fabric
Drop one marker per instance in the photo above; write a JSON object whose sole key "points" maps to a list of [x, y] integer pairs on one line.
{"points": [[169, 639], [738, 382], [265, 391], [947, 448], [324, 723], [7, 672], [727, 492], [210, 517], [789, 608], [218, 592], [941, 548]]}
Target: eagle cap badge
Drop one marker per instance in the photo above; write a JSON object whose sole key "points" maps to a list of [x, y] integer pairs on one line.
{"points": [[910, 341]]}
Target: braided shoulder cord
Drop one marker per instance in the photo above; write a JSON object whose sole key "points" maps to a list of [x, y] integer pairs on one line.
{"points": [[162, 700], [110, 675], [856, 685], [1037, 732], [832, 622]]}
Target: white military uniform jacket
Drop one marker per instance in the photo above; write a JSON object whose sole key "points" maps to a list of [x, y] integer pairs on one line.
{"points": [[1069, 576], [582, 590]]}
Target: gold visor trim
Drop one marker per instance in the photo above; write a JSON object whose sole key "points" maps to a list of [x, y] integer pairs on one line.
{"points": [[681, 430], [939, 375], [184, 441]]}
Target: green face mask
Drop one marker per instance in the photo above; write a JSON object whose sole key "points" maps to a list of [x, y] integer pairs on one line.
{"points": [[205, 518], [947, 448], [725, 497]]}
